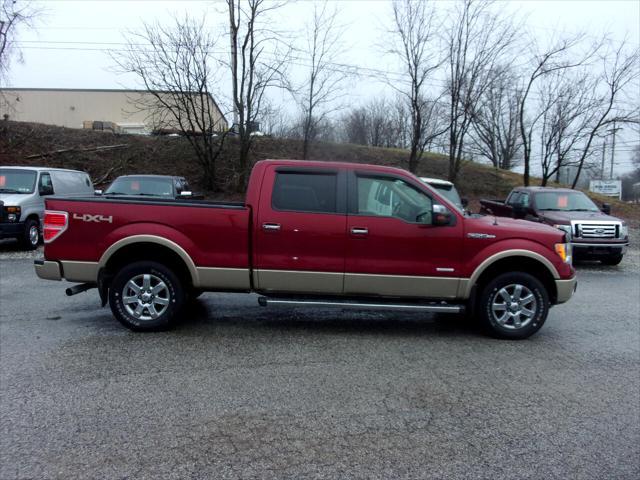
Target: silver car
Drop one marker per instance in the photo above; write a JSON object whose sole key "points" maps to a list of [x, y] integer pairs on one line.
{"points": [[22, 194]]}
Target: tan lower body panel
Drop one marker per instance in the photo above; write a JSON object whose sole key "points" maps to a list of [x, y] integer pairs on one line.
{"points": [[79, 271], [400, 285], [224, 278], [298, 281], [565, 289]]}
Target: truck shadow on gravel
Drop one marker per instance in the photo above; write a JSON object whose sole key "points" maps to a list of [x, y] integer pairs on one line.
{"points": [[202, 316]]}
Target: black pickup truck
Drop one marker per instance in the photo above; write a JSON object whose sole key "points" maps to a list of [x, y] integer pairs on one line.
{"points": [[161, 186], [595, 234]]}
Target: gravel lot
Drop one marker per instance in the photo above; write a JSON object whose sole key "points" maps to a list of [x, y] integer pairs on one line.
{"points": [[239, 391]]}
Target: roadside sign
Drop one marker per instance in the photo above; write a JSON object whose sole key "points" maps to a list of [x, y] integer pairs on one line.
{"points": [[609, 188]]}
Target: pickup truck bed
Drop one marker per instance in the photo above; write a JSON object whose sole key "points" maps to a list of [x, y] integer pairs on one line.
{"points": [[335, 233]]}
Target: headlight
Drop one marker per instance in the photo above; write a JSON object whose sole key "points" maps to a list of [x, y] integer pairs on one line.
{"points": [[13, 213], [564, 251], [624, 231]]}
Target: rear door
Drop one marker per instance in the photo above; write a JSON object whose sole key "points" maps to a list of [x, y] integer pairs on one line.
{"points": [[300, 231], [392, 247]]}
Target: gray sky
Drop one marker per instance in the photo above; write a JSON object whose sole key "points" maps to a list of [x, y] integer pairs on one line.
{"points": [[66, 48]]}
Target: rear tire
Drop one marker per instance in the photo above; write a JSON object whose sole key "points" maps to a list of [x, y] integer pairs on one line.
{"points": [[146, 296], [513, 306], [611, 260], [31, 237]]}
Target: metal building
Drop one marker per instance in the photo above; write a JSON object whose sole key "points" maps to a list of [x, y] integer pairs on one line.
{"points": [[127, 111]]}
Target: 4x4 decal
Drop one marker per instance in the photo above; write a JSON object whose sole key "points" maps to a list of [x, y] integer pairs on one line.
{"points": [[87, 217]]}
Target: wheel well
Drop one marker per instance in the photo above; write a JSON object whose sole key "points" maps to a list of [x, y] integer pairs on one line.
{"points": [[519, 264], [150, 252]]}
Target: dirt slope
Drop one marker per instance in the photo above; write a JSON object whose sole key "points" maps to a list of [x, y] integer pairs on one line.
{"points": [[172, 155]]}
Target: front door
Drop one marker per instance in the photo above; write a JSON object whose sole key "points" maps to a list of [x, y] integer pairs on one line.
{"points": [[392, 248], [300, 238]]}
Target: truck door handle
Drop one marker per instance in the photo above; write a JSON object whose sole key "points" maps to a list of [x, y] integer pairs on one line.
{"points": [[271, 226], [359, 231]]}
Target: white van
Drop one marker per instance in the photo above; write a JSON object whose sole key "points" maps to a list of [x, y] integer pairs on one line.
{"points": [[22, 194]]}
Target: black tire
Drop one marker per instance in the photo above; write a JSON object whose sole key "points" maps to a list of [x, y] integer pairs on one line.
{"points": [[161, 281], [611, 260], [31, 236], [525, 310]]}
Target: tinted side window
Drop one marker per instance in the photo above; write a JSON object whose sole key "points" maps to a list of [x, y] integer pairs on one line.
{"points": [[513, 198], [387, 197], [305, 192]]}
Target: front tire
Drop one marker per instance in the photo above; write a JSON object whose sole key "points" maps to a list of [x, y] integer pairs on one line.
{"points": [[513, 306], [146, 296], [31, 237]]}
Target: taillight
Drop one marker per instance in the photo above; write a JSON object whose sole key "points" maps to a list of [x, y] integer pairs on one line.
{"points": [[54, 224]]}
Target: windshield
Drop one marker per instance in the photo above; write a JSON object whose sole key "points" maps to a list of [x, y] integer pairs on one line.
{"points": [[565, 201], [17, 181], [449, 192], [157, 187]]}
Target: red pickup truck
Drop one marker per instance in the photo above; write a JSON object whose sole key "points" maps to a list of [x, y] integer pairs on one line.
{"points": [[310, 233]]}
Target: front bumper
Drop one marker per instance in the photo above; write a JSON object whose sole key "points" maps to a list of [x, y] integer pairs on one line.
{"points": [[565, 289], [11, 229], [586, 250], [47, 270]]}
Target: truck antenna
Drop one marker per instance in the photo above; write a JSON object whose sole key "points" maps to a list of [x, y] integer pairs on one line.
{"points": [[495, 218]]}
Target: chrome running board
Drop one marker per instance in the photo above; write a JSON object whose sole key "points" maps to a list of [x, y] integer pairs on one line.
{"points": [[434, 307]]}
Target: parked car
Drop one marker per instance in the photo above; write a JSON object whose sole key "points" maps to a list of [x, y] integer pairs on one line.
{"points": [[594, 233], [447, 189], [162, 186], [310, 233], [22, 194]]}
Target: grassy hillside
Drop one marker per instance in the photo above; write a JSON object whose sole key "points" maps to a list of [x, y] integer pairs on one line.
{"points": [[172, 155]]}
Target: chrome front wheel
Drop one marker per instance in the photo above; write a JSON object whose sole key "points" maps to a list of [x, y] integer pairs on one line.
{"points": [[514, 306]]}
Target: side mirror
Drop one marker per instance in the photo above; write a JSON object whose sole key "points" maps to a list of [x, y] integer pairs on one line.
{"points": [[606, 208], [441, 216], [465, 202], [45, 190], [97, 192]]}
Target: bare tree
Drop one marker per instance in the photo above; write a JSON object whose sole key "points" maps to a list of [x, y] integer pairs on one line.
{"points": [[619, 70], [476, 41], [495, 120], [177, 69], [567, 105], [413, 34], [254, 69], [13, 13], [556, 58], [319, 95]]}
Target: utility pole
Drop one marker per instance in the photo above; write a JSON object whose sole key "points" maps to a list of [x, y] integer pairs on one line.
{"points": [[613, 148], [604, 149]]}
